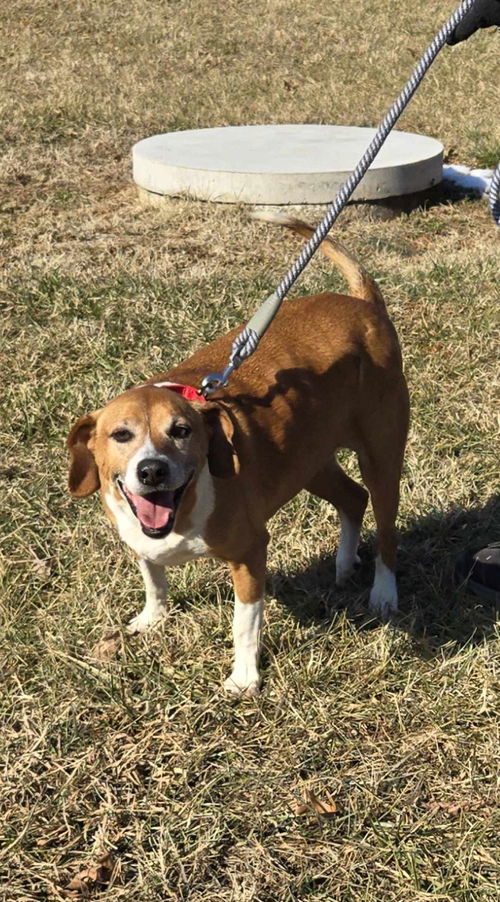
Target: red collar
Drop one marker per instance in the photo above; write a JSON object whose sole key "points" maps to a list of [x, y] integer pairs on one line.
{"points": [[186, 391]]}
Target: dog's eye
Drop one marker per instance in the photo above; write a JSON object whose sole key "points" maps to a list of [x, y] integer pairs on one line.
{"points": [[122, 435], [180, 430]]}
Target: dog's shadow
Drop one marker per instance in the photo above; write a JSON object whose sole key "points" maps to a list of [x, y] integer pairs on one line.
{"points": [[435, 610]]}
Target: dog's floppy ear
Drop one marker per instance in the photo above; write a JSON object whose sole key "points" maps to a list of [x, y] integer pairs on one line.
{"points": [[222, 458], [83, 473]]}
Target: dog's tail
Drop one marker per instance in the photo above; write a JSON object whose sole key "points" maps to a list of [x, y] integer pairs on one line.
{"points": [[361, 284]]}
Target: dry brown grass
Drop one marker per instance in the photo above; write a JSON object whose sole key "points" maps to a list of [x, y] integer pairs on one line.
{"points": [[394, 729]]}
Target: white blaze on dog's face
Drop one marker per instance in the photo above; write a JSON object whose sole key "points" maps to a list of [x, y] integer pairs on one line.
{"points": [[145, 447]]}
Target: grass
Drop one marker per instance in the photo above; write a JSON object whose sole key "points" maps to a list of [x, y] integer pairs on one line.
{"points": [[395, 729]]}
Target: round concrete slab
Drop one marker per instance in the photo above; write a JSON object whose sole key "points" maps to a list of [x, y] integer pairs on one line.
{"points": [[282, 164]]}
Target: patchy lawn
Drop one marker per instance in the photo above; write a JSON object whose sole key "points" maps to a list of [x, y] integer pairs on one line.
{"points": [[368, 769]]}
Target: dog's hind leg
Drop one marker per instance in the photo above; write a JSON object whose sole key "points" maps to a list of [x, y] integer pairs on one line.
{"points": [[350, 499], [381, 473], [156, 585]]}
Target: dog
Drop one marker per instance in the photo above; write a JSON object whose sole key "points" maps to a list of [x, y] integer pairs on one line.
{"points": [[183, 478]]}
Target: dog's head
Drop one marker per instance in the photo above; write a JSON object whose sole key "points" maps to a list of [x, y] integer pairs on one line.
{"points": [[147, 448]]}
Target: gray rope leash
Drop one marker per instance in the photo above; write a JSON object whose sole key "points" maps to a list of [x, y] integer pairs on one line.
{"points": [[495, 196], [247, 341]]}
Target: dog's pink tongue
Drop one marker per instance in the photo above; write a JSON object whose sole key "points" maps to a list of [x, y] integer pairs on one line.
{"points": [[154, 510]]}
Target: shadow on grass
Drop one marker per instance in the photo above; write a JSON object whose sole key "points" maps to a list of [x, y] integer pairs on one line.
{"points": [[434, 610], [446, 193]]}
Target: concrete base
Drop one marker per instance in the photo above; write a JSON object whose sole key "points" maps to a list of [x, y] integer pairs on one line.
{"points": [[282, 164]]}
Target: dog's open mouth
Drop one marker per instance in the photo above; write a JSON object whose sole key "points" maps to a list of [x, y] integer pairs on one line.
{"points": [[155, 511]]}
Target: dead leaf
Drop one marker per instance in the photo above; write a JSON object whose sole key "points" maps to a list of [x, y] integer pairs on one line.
{"points": [[40, 566], [96, 875], [314, 805], [107, 647], [454, 808]]}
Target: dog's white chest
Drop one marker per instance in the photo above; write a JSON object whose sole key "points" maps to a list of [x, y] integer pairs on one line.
{"points": [[176, 548]]}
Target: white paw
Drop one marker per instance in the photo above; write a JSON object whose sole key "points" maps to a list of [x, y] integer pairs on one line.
{"points": [[344, 568], [247, 683], [144, 621], [384, 593]]}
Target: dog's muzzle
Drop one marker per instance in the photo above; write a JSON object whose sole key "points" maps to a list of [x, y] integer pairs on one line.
{"points": [[155, 510]]}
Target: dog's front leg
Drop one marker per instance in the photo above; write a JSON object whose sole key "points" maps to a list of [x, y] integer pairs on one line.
{"points": [[156, 585], [248, 580]]}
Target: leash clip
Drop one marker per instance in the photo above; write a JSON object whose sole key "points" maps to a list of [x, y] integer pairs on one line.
{"points": [[213, 381], [243, 346]]}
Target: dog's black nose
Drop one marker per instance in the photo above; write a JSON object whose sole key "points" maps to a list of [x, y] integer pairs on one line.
{"points": [[151, 471]]}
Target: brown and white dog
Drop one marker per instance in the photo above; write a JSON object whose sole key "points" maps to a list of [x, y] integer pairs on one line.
{"points": [[184, 479]]}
